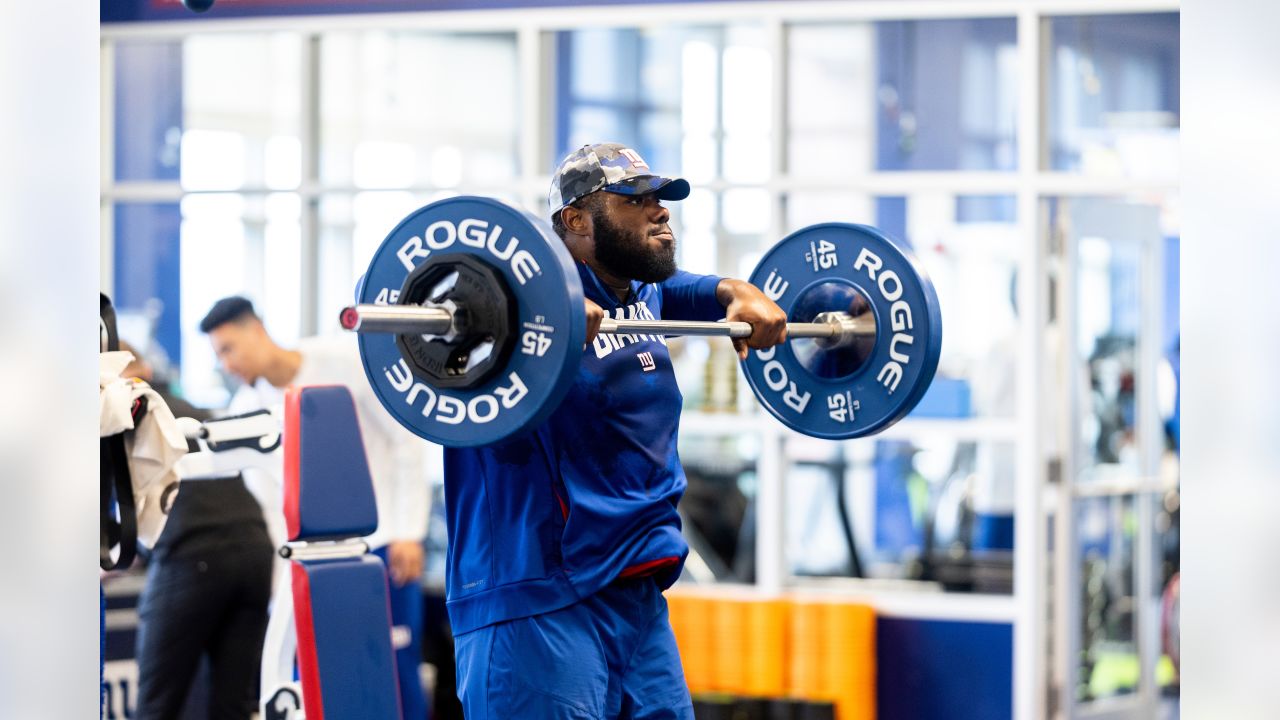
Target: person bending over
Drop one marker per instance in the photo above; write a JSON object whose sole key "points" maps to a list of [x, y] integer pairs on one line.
{"points": [[207, 589]]}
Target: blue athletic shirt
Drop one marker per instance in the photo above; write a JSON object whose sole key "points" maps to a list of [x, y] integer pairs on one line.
{"points": [[542, 521]]}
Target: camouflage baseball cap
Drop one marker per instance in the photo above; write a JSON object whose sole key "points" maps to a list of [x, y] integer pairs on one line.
{"points": [[610, 167]]}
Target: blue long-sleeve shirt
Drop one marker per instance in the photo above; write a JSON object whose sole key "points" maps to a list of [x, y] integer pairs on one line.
{"points": [[539, 522]]}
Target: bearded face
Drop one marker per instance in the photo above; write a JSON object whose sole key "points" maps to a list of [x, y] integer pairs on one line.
{"points": [[631, 252]]}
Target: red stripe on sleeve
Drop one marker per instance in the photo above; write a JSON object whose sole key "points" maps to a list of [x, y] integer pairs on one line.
{"points": [[652, 567]]}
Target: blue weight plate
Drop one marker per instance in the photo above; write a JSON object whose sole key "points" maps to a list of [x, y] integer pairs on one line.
{"points": [[860, 389], [549, 333]]}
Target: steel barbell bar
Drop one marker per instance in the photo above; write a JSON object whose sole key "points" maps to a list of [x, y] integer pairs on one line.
{"points": [[829, 329]]}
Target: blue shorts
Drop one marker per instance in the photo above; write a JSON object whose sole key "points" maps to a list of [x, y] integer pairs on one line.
{"points": [[611, 655]]}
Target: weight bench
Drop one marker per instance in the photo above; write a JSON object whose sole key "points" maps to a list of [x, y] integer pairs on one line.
{"points": [[341, 609]]}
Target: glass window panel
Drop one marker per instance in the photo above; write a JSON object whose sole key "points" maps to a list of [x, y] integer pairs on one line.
{"points": [[589, 123], [214, 159], [352, 228], [148, 109], [828, 155], [696, 212], [236, 245], [746, 219], [383, 164], [281, 293], [339, 265], [816, 543], [242, 98], [283, 162], [694, 219], [832, 69], [1167, 582], [1107, 530], [610, 75], [147, 291], [946, 94], [698, 94], [676, 92], [390, 118], [910, 95], [747, 211], [661, 77], [1111, 248], [932, 509], [717, 507], [215, 264], [660, 135], [448, 164], [375, 215], [1111, 242], [747, 102], [690, 362], [740, 248], [1114, 102], [748, 83], [747, 158], [699, 155], [809, 207], [656, 75], [698, 252]]}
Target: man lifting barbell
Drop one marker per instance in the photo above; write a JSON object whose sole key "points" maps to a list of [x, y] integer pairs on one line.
{"points": [[562, 541], [560, 425]]}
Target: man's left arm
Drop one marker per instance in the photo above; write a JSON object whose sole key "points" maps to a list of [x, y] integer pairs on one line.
{"points": [[744, 302], [686, 296]]}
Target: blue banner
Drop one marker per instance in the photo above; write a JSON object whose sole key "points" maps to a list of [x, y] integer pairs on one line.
{"points": [[115, 11]]}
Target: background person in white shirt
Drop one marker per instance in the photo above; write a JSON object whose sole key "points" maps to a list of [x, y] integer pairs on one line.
{"points": [[397, 458]]}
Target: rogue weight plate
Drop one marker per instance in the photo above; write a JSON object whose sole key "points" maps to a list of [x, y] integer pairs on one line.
{"points": [[860, 389], [548, 330]]}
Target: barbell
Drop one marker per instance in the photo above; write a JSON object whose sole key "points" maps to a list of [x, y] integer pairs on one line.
{"points": [[471, 326], [829, 329]]}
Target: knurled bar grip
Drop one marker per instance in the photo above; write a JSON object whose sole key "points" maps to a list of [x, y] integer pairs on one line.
{"points": [[417, 320], [824, 329]]}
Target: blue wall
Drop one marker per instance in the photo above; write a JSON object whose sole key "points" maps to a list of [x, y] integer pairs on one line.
{"points": [[142, 10], [943, 670], [926, 65], [148, 128]]}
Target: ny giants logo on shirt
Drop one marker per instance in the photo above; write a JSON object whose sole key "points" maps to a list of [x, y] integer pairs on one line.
{"points": [[606, 344]]}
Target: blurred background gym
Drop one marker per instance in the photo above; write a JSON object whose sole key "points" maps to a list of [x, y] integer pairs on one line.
{"points": [[1009, 550]]}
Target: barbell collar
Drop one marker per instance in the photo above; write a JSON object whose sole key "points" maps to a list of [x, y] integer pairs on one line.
{"points": [[830, 329], [848, 328]]}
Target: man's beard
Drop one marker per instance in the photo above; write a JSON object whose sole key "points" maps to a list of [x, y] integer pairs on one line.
{"points": [[625, 253]]}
